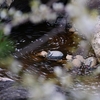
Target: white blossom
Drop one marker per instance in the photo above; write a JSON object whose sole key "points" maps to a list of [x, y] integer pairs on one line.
{"points": [[58, 6], [58, 71], [81, 19], [16, 67], [7, 29], [3, 14]]}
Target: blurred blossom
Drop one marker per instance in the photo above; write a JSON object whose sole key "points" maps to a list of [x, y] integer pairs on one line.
{"points": [[41, 16], [57, 96], [16, 67], [51, 16], [66, 80], [35, 19], [7, 29], [58, 71], [18, 14], [58, 6], [36, 93], [11, 11], [45, 91], [43, 8], [19, 19], [84, 22], [82, 19], [41, 89], [34, 4], [80, 95], [48, 86], [41, 13], [87, 26], [28, 80], [3, 14]]}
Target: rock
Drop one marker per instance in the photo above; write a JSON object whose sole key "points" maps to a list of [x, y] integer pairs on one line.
{"points": [[14, 93], [76, 62], [5, 79], [72, 30], [91, 62], [6, 84], [10, 90], [69, 57], [51, 55], [97, 71], [96, 66], [54, 55], [95, 41], [79, 57], [42, 53]]}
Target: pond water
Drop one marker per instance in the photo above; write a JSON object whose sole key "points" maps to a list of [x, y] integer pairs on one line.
{"points": [[64, 42]]}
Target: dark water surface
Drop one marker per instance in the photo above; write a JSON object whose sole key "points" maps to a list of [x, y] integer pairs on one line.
{"points": [[67, 43], [64, 42]]}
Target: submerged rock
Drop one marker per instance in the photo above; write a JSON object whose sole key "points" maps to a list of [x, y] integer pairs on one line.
{"points": [[51, 55], [54, 55]]}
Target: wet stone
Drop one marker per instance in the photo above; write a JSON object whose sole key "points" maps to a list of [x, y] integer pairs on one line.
{"points": [[79, 57], [5, 79], [97, 71], [95, 41], [69, 57], [91, 62], [54, 55], [80, 66], [10, 90], [76, 63], [75, 60]]}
